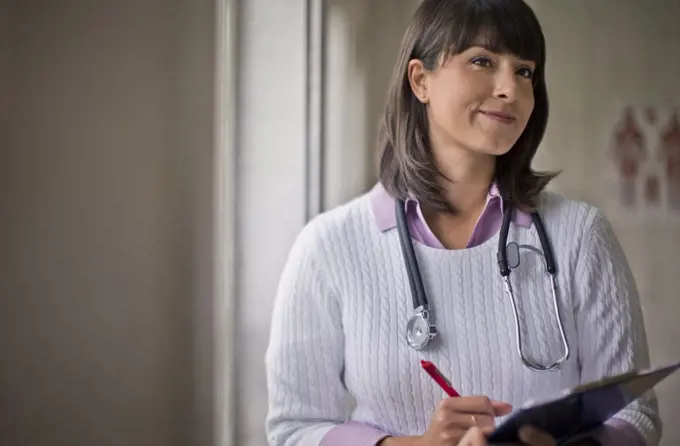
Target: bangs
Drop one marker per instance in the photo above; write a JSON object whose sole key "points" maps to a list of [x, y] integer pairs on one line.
{"points": [[501, 26]]}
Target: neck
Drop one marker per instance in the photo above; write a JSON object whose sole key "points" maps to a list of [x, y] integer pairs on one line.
{"points": [[466, 179]]}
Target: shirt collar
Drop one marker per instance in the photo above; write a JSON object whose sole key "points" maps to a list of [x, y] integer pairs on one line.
{"points": [[382, 205]]}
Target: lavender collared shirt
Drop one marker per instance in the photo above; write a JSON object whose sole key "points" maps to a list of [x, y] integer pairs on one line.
{"points": [[487, 225], [615, 433]]}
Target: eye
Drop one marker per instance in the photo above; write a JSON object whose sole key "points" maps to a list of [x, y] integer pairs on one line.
{"points": [[481, 61], [526, 72]]}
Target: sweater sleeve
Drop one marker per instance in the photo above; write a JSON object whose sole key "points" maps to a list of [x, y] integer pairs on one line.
{"points": [[611, 333], [304, 358], [355, 434]]}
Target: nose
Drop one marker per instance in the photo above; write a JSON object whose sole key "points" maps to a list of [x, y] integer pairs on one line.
{"points": [[506, 85]]}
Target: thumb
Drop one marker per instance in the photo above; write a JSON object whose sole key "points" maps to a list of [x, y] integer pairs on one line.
{"points": [[501, 408], [473, 437]]}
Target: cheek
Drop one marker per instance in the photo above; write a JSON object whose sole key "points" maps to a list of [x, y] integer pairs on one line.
{"points": [[444, 108], [450, 104], [527, 107]]}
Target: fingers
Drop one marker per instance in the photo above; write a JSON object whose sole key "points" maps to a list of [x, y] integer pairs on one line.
{"points": [[451, 420], [452, 437], [476, 405], [534, 437], [473, 437], [460, 416], [469, 404], [501, 408]]}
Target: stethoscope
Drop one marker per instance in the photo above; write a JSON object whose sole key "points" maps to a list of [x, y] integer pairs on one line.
{"points": [[421, 330]]}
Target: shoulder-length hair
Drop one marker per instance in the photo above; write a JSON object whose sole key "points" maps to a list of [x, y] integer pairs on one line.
{"points": [[438, 30]]}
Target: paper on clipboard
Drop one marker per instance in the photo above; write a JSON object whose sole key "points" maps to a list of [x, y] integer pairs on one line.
{"points": [[581, 409]]}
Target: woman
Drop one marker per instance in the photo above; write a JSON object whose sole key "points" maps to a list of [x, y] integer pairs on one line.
{"points": [[466, 110]]}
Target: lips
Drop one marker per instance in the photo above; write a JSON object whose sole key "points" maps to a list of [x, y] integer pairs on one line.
{"points": [[498, 116]]}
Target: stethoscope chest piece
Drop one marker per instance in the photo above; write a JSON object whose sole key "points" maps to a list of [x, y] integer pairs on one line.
{"points": [[419, 330]]}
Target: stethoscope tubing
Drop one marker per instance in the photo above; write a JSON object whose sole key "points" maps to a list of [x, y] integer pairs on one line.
{"points": [[421, 306]]}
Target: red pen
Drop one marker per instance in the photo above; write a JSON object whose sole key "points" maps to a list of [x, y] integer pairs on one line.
{"points": [[444, 383]]}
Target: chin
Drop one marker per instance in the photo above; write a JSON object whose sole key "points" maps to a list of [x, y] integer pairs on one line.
{"points": [[492, 149], [500, 151]]}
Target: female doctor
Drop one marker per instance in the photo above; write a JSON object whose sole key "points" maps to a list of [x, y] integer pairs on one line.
{"points": [[457, 256]]}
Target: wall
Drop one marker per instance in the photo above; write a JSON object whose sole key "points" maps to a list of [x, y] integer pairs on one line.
{"points": [[362, 45], [4, 71], [109, 107], [270, 184]]}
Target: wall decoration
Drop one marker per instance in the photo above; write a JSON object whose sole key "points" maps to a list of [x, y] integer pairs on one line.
{"points": [[642, 174]]}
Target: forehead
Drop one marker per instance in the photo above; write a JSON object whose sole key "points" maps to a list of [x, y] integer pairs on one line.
{"points": [[493, 47]]}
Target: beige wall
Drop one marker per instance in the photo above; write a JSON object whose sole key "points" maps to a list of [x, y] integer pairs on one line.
{"points": [[4, 54], [362, 44], [272, 166], [107, 106]]}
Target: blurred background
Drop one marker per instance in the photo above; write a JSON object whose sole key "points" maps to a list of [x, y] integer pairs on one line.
{"points": [[158, 158]]}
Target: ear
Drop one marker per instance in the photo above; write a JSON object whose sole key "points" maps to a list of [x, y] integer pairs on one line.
{"points": [[417, 78]]}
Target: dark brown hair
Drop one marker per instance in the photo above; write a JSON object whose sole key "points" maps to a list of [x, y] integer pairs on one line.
{"points": [[439, 29]]}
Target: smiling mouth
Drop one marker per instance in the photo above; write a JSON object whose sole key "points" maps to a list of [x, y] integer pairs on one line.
{"points": [[498, 117]]}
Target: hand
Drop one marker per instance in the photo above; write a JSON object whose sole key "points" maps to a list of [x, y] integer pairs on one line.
{"points": [[473, 437], [454, 417], [530, 437]]}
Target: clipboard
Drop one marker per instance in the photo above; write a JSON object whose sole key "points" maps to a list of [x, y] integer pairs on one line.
{"points": [[576, 411]]}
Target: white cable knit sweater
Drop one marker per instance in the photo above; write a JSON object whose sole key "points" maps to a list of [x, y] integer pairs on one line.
{"points": [[343, 303]]}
